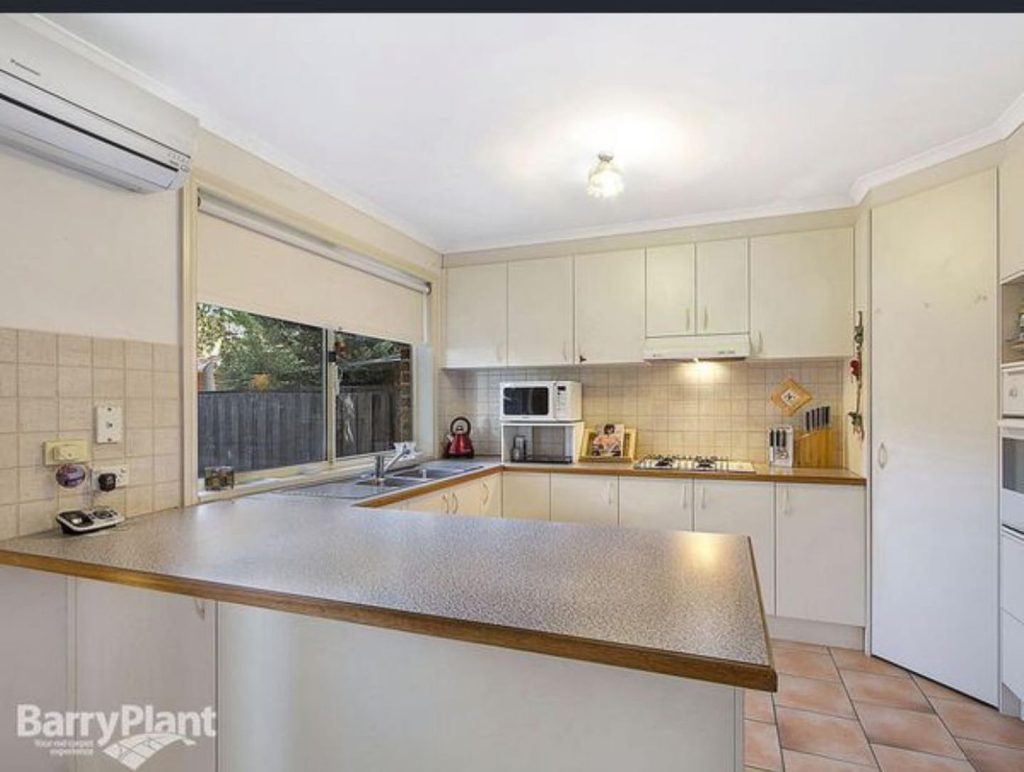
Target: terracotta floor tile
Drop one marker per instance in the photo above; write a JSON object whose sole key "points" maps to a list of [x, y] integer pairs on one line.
{"points": [[837, 738], [761, 746], [848, 659], [807, 664], [885, 690], [814, 694], [757, 706], [979, 722], [805, 762], [778, 643], [993, 758], [909, 729], [901, 760], [938, 691]]}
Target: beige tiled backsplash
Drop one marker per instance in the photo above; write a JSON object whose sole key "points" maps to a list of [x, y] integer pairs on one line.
{"points": [[49, 387], [720, 408]]}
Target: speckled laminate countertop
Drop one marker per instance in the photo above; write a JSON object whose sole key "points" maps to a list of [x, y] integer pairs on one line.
{"points": [[683, 604]]}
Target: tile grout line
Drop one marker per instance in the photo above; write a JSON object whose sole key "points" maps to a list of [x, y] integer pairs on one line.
{"points": [[853, 705]]}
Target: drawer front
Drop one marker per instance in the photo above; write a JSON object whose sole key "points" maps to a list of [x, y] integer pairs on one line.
{"points": [[1013, 393], [1012, 580], [1013, 654]]}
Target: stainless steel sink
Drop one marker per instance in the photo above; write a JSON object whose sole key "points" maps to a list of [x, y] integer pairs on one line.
{"points": [[425, 473], [387, 482]]}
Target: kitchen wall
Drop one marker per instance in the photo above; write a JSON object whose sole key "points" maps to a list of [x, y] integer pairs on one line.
{"points": [[720, 408], [49, 385]]}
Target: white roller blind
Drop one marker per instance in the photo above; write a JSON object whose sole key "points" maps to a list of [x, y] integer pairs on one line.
{"points": [[260, 266]]}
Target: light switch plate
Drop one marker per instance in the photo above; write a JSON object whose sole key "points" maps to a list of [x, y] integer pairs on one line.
{"points": [[59, 452], [109, 424]]}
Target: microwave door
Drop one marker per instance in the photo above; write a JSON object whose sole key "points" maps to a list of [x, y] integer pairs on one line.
{"points": [[525, 402]]}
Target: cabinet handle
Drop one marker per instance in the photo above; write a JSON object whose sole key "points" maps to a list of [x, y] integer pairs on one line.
{"points": [[610, 499], [1013, 392], [683, 498], [565, 352], [447, 503], [705, 317], [687, 318], [785, 500], [760, 342], [498, 352], [487, 493], [200, 605], [455, 498], [883, 456], [703, 497], [582, 359]]}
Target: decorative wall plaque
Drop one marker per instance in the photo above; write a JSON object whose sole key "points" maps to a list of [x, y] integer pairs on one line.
{"points": [[790, 396]]}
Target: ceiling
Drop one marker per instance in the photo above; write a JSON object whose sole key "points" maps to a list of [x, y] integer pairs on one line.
{"points": [[473, 131]]}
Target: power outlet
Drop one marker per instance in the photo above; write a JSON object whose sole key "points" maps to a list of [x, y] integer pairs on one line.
{"points": [[119, 472]]}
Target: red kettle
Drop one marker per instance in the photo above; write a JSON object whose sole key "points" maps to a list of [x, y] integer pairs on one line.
{"points": [[457, 443]]}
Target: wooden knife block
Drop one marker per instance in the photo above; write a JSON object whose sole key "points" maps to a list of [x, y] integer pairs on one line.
{"points": [[816, 449]]}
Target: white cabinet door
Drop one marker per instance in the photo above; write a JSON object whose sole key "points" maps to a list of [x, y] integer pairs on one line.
{"points": [[934, 575], [540, 311], [610, 307], [578, 498], [1011, 204], [820, 553], [437, 501], [747, 508], [490, 496], [526, 495], [466, 499], [722, 287], [141, 647], [656, 503], [476, 315], [671, 284], [801, 294]]}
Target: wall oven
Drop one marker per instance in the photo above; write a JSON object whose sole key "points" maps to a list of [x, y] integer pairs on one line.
{"points": [[1011, 477], [541, 401]]}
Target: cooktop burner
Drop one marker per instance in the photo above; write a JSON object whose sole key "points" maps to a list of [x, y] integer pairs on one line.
{"points": [[694, 464]]}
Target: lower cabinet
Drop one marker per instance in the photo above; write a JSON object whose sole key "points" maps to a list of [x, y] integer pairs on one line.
{"points": [[466, 499], [490, 496], [580, 498], [821, 564], [745, 508], [656, 503], [526, 495], [437, 501]]}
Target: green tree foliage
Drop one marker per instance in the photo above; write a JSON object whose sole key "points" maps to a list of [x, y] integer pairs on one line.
{"points": [[258, 352]]}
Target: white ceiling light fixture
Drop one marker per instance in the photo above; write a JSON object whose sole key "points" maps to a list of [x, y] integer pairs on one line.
{"points": [[605, 179]]}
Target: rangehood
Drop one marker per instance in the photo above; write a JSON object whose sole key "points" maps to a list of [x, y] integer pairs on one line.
{"points": [[688, 347]]}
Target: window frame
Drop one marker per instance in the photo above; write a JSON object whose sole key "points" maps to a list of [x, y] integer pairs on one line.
{"points": [[424, 372]]}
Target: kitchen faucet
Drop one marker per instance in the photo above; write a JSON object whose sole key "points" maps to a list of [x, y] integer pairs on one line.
{"points": [[381, 466]]}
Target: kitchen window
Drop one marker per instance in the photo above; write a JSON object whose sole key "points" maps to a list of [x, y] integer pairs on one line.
{"points": [[373, 407], [262, 389]]}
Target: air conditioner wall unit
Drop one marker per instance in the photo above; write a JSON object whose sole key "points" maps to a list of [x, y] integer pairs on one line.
{"points": [[63, 107]]}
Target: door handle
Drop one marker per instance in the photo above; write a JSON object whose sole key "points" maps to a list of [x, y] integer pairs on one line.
{"points": [[883, 456]]}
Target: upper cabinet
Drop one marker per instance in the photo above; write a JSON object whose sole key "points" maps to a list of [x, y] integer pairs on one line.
{"points": [[540, 312], [671, 290], [801, 294], [722, 299], [610, 307], [697, 290], [476, 316]]}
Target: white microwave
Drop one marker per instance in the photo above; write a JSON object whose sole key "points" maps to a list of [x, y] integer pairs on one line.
{"points": [[541, 401]]}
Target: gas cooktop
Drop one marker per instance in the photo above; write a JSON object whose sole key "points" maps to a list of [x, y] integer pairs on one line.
{"points": [[694, 464]]}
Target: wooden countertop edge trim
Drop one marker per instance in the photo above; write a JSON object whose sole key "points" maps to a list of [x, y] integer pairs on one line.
{"points": [[808, 478], [737, 674]]}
